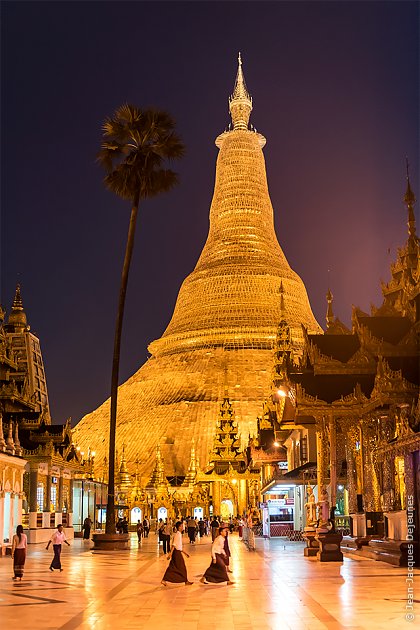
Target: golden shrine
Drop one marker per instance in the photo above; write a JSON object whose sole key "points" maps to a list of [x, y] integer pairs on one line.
{"points": [[223, 328]]}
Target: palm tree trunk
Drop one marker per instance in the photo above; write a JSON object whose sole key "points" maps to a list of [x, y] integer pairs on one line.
{"points": [[110, 510]]}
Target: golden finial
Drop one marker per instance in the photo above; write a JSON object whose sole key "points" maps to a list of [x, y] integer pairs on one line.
{"points": [[240, 103], [17, 302], [330, 314]]}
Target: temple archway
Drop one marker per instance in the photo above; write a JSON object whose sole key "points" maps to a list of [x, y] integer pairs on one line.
{"points": [[226, 509]]}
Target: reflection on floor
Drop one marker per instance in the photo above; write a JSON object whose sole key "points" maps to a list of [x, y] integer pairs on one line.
{"points": [[275, 588]]}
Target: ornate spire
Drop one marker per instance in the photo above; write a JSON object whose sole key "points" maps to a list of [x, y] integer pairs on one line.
{"points": [[192, 468], [17, 317], [123, 477], [10, 445], [18, 448], [2, 440], [400, 292], [410, 200], [330, 314], [226, 444], [158, 475], [240, 103]]}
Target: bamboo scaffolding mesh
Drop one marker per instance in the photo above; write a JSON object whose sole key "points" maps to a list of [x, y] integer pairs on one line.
{"points": [[224, 322]]}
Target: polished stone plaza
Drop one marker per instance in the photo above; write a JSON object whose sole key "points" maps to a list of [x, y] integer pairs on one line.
{"points": [[275, 587]]}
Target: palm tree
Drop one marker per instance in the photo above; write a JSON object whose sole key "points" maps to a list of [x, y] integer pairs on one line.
{"points": [[136, 145]]}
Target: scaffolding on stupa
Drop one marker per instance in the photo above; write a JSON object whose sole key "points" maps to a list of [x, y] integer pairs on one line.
{"points": [[225, 319]]}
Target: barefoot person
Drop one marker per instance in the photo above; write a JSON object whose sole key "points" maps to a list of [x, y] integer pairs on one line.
{"points": [[57, 540], [176, 571], [19, 545], [217, 571]]}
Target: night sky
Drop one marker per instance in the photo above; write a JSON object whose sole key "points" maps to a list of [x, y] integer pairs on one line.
{"points": [[335, 88]]}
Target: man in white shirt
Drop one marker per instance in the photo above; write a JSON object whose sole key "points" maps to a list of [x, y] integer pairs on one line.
{"points": [[177, 571], [217, 571], [57, 540]]}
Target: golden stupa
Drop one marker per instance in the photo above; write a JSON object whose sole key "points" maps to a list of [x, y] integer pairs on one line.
{"points": [[224, 324]]}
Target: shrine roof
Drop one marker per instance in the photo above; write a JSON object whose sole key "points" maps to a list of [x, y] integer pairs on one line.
{"points": [[331, 387], [340, 347], [409, 366], [390, 329]]}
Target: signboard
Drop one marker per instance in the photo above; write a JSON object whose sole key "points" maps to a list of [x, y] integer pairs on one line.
{"points": [[283, 465], [290, 501], [277, 501]]}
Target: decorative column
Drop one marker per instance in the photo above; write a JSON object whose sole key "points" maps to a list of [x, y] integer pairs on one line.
{"points": [[216, 497], [321, 454], [70, 513], [33, 488], [333, 460], [59, 509], [242, 496], [46, 521], [371, 490], [350, 445], [409, 478]]}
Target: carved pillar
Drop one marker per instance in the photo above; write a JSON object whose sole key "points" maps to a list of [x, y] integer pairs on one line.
{"points": [[321, 454], [409, 477], [388, 483], [333, 458], [46, 522], [242, 496], [70, 502], [371, 489], [216, 497], [59, 503], [351, 472], [33, 487]]}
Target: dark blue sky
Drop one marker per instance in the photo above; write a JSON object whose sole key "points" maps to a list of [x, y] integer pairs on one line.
{"points": [[335, 88]]}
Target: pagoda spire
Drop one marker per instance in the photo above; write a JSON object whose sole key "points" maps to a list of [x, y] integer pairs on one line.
{"points": [[17, 318], [410, 200], [158, 475], [192, 468], [330, 314], [240, 102], [2, 440]]}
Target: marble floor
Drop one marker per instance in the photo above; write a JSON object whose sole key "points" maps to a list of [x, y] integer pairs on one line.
{"points": [[275, 588]]}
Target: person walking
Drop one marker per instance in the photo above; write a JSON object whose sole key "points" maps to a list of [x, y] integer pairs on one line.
{"points": [[139, 530], [214, 528], [19, 545], [87, 524], [146, 527], [177, 571], [57, 540], [166, 535], [217, 571], [192, 529], [201, 527]]}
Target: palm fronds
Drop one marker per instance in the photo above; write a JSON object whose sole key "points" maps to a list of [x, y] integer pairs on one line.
{"points": [[136, 144]]}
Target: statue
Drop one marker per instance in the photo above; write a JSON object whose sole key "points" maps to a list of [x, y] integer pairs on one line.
{"points": [[323, 509], [310, 507]]}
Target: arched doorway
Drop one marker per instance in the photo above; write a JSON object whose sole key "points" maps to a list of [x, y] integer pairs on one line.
{"points": [[162, 513], [226, 509], [135, 515]]}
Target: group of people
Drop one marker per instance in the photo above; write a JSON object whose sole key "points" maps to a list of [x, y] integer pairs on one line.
{"points": [[176, 571], [218, 570], [20, 544]]}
